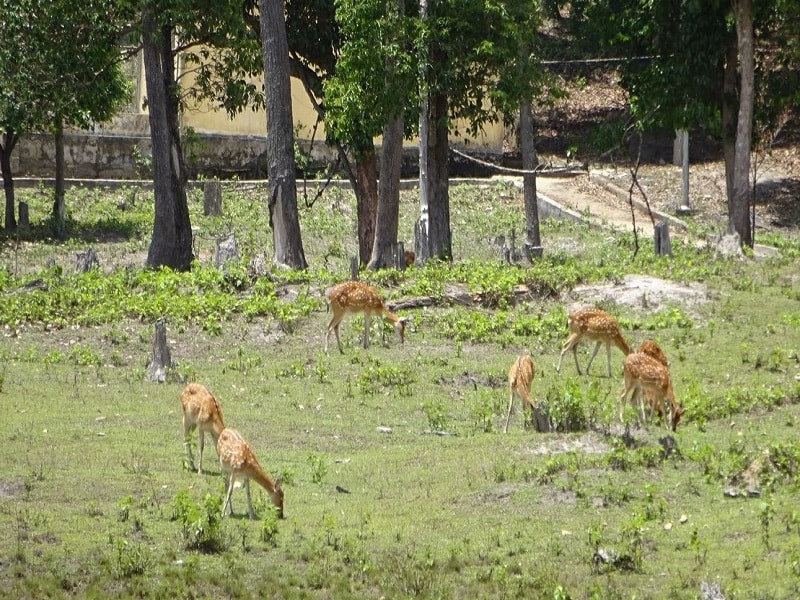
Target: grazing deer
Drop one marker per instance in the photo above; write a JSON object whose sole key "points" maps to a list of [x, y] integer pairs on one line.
{"points": [[238, 460], [651, 348], [201, 411], [593, 324], [643, 373], [409, 258], [358, 297], [520, 376]]}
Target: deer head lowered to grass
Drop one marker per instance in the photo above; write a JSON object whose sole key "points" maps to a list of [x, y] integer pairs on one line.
{"points": [[593, 324], [647, 376], [359, 297], [237, 459]]}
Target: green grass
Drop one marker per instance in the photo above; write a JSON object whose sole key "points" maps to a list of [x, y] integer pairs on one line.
{"points": [[95, 500]]}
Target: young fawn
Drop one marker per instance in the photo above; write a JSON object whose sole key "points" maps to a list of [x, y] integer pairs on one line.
{"points": [[520, 376], [596, 325], [201, 411], [358, 297], [645, 374], [238, 460]]}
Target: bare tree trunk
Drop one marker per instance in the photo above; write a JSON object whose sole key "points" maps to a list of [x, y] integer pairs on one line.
{"points": [[730, 108], [739, 217], [422, 247], [386, 224], [9, 140], [440, 241], [283, 216], [388, 211], [59, 207], [171, 244], [366, 200], [532, 244]]}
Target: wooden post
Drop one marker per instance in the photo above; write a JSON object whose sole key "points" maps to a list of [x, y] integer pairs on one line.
{"points": [[663, 246], [24, 221], [212, 198]]}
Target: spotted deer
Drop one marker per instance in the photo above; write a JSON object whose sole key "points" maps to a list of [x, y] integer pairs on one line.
{"points": [[645, 374], [520, 376], [595, 325], [651, 348], [358, 297], [238, 461], [201, 411]]}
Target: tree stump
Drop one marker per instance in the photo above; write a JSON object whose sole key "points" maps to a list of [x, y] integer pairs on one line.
{"points": [[24, 220], [212, 198], [663, 246], [225, 250], [399, 256], [353, 268], [86, 260], [161, 360], [421, 240], [540, 420]]}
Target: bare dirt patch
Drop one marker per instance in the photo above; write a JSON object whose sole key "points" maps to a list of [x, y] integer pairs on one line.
{"points": [[644, 292], [590, 442], [9, 489]]}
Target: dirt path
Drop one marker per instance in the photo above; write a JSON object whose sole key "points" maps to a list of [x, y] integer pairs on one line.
{"points": [[593, 199]]}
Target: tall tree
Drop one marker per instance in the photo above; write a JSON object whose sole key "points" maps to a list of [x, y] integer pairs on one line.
{"points": [[46, 86], [280, 138], [223, 56], [739, 199], [171, 243], [371, 87], [704, 54], [474, 74]]}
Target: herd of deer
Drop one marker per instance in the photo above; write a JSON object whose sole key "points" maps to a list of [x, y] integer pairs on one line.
{"points": [[646, 373]]}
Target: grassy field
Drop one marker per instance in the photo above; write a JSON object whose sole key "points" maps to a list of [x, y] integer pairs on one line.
{"points": [[399, 481]]}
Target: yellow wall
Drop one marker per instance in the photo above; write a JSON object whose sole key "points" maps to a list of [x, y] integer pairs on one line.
{"points": [[204, 119]]}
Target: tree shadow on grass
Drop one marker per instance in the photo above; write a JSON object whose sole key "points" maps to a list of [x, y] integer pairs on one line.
{"points": [[105, 230], [778, 198]]}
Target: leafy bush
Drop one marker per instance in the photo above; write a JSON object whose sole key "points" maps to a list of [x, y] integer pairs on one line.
{"points": [[201, 523]]}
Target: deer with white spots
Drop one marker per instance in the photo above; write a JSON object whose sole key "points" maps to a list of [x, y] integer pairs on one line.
{"points": [[351, 297], [239, 462], [595, 325]]}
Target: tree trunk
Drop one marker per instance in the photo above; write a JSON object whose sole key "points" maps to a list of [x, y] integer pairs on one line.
{"points": [[439, 241], [366, 200], [422, 246], [730, 107], [282, 203], [532, 244], [9, 140], [171, 244], [739, 217], [59, 207], [388, 196]]}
